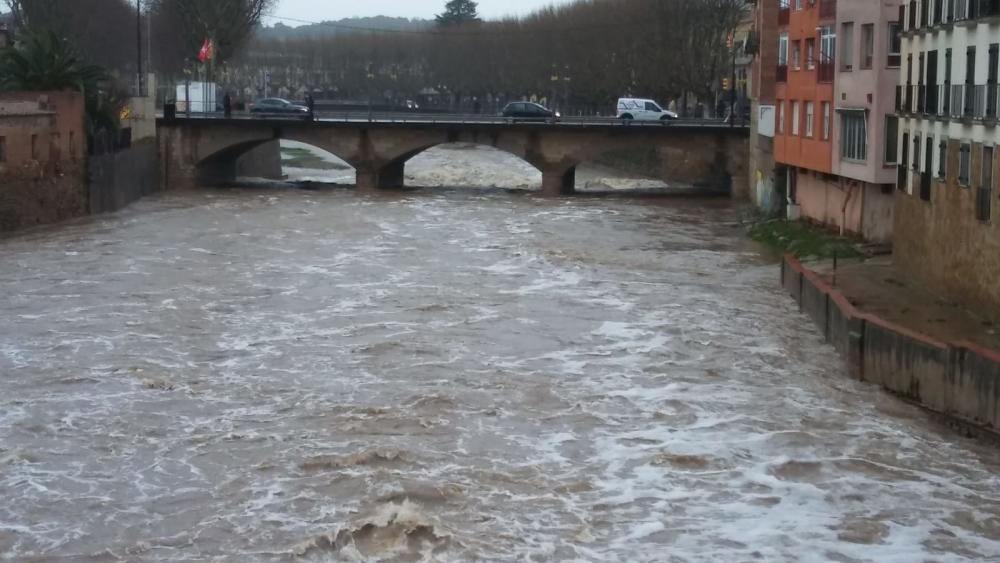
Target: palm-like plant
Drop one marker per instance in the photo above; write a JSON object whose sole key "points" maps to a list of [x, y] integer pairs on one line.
{"points": [[44, 62]]}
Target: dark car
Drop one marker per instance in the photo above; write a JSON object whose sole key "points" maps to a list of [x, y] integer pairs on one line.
{"points": [[278, 106], [528, 111]]}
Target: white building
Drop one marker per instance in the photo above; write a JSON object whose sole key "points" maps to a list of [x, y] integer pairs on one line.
{"points": [[948, 105]]}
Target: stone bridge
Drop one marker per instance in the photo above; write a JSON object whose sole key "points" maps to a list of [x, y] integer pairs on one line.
{"points": [[201, 151]]}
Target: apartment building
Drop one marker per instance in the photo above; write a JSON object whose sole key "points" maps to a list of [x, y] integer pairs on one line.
{"points": [[762, 44], [860, 199], [804, 96], [947, 234]]}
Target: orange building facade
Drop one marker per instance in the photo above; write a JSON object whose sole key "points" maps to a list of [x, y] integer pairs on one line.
{"points": [[804, 92]]}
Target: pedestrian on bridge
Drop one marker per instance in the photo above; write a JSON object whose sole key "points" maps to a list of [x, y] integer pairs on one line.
{"points": [[227, 105]]}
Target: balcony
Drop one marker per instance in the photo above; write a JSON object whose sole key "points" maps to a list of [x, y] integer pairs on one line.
{"points": [[827, 9], [968, 102], [989, 8], [784, 16], [781, 74], [825, 71]]}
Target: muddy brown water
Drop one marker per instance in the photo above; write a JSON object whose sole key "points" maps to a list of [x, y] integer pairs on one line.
{"points": [[448, 375]]}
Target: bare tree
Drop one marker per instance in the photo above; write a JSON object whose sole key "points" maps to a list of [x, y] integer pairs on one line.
{"points": [[228, 23]]}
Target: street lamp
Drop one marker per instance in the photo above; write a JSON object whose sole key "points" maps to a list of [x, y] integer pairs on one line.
{"points": [[138, 47]]}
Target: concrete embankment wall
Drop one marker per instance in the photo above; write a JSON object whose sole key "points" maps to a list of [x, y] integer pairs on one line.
{"points": [[960, 380], [118, 179]]}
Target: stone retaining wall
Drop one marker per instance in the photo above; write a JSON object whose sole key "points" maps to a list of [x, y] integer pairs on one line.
{"points": [[960, 380], [118, 179]]}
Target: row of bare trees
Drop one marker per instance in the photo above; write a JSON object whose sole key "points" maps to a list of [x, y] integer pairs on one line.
{"points": [[581, 56], [164, 34]]}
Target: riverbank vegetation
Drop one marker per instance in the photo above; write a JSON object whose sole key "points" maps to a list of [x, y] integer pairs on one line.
{"points": [[804, 241]]}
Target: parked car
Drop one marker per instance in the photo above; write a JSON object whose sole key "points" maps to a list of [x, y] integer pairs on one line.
{"points": [[279, 106], [640, 109], [528, 111]]}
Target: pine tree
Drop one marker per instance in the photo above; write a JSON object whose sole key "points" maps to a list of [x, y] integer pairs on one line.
{"points": [[457, 12]]}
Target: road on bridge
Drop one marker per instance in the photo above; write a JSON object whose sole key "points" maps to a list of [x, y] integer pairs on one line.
{"points": [[463, 118]]}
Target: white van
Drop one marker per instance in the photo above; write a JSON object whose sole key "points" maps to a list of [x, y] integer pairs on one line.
{"points": [[641, 109]]}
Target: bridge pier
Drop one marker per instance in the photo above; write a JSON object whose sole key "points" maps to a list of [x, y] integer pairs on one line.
{"points": [[390, 176], [559, 182]]}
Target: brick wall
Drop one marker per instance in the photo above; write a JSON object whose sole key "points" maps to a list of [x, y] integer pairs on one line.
{"points": [[43, 176], [941, 242]]}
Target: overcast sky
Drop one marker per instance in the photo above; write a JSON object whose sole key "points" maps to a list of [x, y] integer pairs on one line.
{"points": [[318, 10]]}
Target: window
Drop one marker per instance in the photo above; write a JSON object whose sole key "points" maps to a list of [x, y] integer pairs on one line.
{"points": [[904, 146], [780, 108], [943, 159], [650, 106], [925, 178], [3, 149], [798, 4], [986, 178], [891, 139], [810, 119], [915, 161], [895, 45], [797, 55], [825, 108], [54, 147], [867, 45], [783, 48], [811, 53], [34, 147], [795, 118], [847, 46], [964, 164], [984, 196], [853, 136], [827, 44]]}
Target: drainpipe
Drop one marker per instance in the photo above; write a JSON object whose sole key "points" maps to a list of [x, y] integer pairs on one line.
{"points": [[843, 208]]}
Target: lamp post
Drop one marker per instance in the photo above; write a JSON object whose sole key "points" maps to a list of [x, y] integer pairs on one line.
{"points": [[371, 80], [138, 47], [566, 80]]}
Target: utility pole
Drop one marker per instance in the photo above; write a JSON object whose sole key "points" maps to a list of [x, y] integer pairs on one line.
{"points": [[138, 47]]}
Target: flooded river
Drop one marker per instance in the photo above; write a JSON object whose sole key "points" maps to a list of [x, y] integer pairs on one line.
{"points": [[448, 375]]}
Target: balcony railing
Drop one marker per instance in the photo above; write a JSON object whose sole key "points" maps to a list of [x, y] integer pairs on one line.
{"points": [[989, 8], [781, 74], [827, 9], [825, 71], [962, 10], [784, 16]]}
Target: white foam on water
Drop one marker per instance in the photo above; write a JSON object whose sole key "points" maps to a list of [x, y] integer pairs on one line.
{"points": [[449, 377]]}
